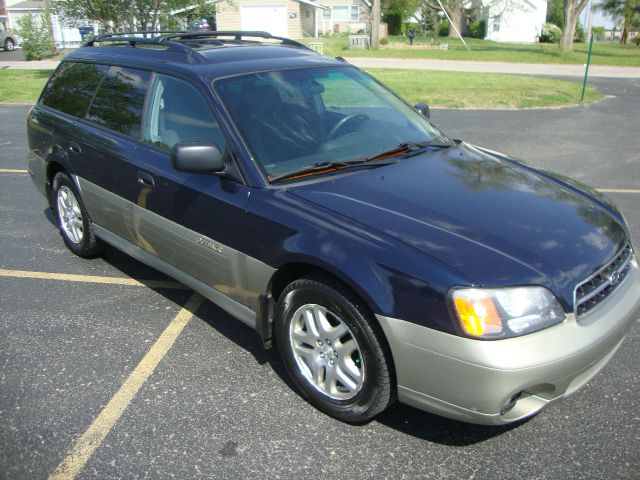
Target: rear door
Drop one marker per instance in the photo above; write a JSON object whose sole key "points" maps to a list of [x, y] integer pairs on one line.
{"points": [[195, 222], [105, 146]]}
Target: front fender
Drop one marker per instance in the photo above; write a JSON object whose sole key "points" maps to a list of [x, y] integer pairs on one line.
{"points": [[392, 278]]}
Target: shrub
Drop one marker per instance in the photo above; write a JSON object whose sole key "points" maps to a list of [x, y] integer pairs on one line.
{"points": [[34, 35], [478, 29], [443, 28], [637, 40], [550, 33], [384, 41], [579, 36], [394, 21]]}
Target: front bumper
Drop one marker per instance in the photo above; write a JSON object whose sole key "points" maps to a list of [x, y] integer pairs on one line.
{"points": [[499, 382]]}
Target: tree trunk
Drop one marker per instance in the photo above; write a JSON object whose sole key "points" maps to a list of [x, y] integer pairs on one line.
{"points": [[569, 29], [455, 12], [624, 36], [375, 24]]}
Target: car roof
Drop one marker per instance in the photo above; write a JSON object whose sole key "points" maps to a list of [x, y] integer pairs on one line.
{"points": [[206, 55]]}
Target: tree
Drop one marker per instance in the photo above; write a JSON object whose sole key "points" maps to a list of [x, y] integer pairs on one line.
{"points": [[35, 35], [555, 12], [118, 15], [112, 14], [400, 8], [572, 9], [454, 8], [629, 10]]}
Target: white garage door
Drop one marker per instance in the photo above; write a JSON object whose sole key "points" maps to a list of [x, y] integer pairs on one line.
{"points": [[267, 18]]}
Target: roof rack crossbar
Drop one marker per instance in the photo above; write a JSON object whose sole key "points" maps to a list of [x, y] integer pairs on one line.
{"points": [[174, 40]]}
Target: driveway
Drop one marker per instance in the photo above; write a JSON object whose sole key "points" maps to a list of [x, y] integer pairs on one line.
{"points": [[218, 406]]}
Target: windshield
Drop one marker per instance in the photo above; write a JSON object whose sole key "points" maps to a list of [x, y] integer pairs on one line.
{"points": [[292, 119]]}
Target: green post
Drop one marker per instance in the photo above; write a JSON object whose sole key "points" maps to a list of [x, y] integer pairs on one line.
{"points": [[586, 72]]}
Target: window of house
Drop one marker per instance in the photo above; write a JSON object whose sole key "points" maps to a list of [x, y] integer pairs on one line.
{"points": [[355, 13], [119, 100], [496, 24], [72, 86], [177, 112], [340, 14], [326, 15]]}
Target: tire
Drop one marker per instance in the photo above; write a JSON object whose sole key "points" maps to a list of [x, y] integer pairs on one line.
{"points": [[9, 45], [72, 218], [333, 350]]}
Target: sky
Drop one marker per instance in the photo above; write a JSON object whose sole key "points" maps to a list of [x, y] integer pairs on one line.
{"points": [[599, 19]]}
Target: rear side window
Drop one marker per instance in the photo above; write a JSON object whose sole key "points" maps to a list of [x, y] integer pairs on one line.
{"points": [[72, 86], [119, 101], [177, 112]]}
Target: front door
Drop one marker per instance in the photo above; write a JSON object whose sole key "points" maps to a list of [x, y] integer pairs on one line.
{"points": [[195, 222]]}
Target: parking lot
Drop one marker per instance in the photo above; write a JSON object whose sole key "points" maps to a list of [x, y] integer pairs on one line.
{"points": [[109, 369]]}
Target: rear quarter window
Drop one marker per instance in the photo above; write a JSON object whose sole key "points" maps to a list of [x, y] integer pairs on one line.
{"points": [[119, 101], [72, 87]]}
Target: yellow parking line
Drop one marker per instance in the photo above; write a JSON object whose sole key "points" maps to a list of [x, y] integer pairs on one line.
{"points": [[619, 190], [88, 443], [69, 277], [12, 170]]}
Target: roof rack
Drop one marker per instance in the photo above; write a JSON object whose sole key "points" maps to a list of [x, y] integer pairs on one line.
{"points": [[236, 34], [172, 39]]}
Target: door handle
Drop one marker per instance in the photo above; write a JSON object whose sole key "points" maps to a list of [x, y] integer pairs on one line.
{"points": [[146, 179], [74, 147]]}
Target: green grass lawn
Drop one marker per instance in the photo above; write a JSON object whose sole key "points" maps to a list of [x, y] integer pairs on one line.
{"points": [[604, 53], [22, 86], [439, 89], [482, 90]]}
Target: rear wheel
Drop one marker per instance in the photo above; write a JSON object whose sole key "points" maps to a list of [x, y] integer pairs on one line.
{"points": [[9, 45], [73, 220], [333, 350]]}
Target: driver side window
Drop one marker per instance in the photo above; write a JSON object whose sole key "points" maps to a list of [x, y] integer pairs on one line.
{"points": [[177, 112]]}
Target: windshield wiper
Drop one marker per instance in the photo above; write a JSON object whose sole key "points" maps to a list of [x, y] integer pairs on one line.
{"points": [[411, 148], [324, 167]]}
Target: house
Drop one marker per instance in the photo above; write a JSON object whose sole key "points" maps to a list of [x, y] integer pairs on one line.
{"points": [[292, 18], [514, 20]]}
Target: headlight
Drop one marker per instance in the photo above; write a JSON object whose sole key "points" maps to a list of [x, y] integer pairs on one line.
{"points": [[505, 312]]}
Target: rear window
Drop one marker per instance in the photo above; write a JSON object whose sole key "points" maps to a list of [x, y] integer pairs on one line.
{"points": [[120, 99], [72, 86]]}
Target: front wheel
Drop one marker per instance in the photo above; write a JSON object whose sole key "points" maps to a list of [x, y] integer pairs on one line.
{"points": [[9, 45], [73, 220], [333, 350]]}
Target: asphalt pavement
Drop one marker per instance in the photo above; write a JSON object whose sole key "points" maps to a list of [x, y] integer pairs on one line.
{"points": [[219, 406]]}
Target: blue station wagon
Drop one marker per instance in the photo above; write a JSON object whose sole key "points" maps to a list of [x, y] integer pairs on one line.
{"points": [[384, 260]]}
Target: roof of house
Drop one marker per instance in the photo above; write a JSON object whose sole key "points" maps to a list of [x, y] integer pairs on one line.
{"points": [[28, 5]]}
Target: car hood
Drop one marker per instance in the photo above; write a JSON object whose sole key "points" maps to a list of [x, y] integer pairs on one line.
{"points": [[496, 221]]}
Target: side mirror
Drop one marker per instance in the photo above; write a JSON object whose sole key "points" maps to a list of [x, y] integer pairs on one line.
{"points": [[197, 157], [423, 109]]}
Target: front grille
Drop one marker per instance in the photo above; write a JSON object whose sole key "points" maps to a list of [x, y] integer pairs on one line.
{"points": [[589, 293]]}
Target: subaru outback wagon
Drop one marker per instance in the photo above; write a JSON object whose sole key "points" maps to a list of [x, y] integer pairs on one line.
{"points": [[384, 260]]}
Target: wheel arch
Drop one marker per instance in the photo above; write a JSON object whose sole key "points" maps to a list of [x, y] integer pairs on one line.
{"points": [[53, 167], [295, 270]]}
